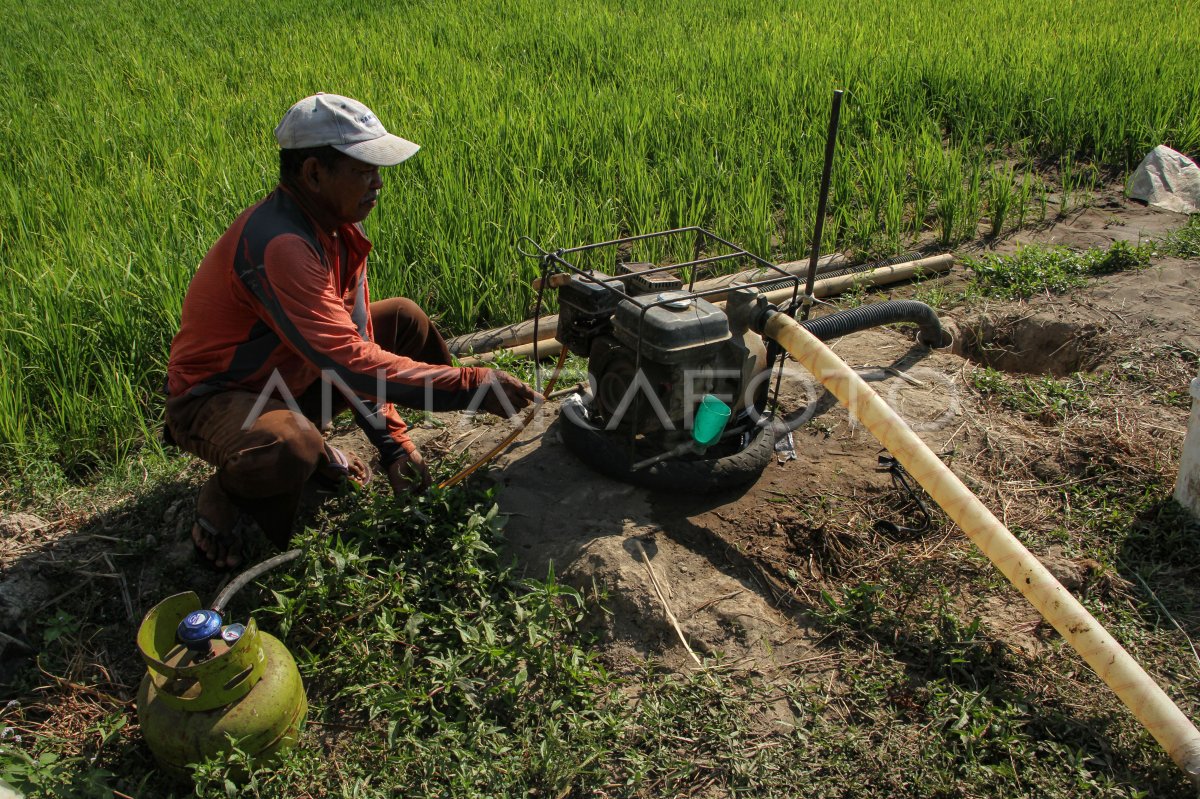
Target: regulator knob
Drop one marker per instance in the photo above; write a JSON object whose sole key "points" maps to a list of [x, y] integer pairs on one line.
{"points": [[198, 628]]}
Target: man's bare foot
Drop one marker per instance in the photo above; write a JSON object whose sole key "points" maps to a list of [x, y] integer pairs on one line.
{"points": [[216, 533]]}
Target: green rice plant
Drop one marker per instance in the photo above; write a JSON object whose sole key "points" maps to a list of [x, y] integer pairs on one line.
{"points": [[972, 207], [999, 198], [1024, 196], [951, 200], [137, 132], [925, 180], [1068, 179], [893, 220]]}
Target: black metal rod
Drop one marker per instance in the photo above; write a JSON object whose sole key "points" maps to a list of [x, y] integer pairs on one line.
{"points": [[769, 282], [630, 239], [700, 262], [826, 176]]}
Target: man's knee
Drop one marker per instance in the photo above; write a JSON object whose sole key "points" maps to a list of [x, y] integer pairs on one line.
{"points": [[402, 327], [301, 452], [283, 451], [401, 315]]}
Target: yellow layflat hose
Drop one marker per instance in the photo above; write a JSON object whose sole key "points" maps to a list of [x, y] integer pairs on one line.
{"points": [[1149, 703]]}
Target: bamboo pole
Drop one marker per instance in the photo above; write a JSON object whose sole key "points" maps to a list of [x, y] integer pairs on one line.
{"points": [[882, 276]]}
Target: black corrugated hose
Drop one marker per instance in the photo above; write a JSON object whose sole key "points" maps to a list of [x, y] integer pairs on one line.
{"points": [[843, 323]]}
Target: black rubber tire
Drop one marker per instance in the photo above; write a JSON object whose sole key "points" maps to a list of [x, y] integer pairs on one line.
{"points": [[599, 451]]}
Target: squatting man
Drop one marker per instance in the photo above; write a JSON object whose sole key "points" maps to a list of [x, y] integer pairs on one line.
{"points": [[278, 334]]}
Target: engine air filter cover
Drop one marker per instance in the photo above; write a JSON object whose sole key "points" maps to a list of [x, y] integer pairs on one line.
{"points": [[653, 283], [683, 329]]}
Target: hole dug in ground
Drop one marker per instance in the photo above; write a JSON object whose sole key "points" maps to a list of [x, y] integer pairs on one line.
{"points": [[1032, 344]]}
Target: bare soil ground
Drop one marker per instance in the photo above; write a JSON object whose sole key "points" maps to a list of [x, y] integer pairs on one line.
{"points": [[751, 574]]}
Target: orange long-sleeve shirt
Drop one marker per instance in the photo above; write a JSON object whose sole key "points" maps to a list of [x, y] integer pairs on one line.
{"points": [[277, 301]]}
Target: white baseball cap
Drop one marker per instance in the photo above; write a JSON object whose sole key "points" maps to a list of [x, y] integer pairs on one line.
{"points": [[344, 124]]}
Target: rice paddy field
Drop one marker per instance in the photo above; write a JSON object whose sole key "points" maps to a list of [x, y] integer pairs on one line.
{"points": [[133, 133]]}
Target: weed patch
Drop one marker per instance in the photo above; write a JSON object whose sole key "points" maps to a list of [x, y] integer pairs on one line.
{"points": [[1185, 242], [463, 679], [1037, 270], [1044, 398]]}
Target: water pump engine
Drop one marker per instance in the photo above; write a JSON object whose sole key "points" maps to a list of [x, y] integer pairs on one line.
{"points": [[652, 360], [660, 356]]}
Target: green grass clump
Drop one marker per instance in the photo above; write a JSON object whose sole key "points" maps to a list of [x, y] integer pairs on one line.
{"points": [[1034, 270], [1044, 397], [1052, 398], [465, 680], [1185, 242]]}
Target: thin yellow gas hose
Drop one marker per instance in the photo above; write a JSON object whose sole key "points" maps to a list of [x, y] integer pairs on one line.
{"points": [[496, 450]]}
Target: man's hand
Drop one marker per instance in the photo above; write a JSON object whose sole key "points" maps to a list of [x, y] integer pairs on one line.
{"points": [[506, 395], [408, 474]]}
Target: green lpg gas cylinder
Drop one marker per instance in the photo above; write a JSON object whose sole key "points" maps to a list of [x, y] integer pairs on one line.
{"points": [[207, 682]]}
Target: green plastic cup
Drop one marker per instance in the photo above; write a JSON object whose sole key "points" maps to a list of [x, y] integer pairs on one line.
{"points": [[711, 418]]}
